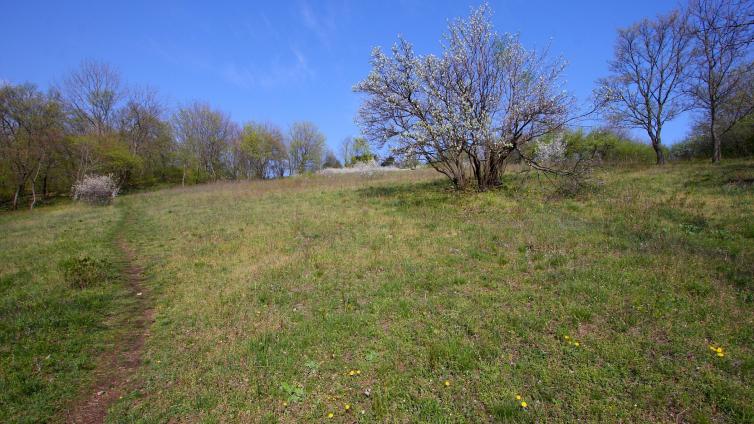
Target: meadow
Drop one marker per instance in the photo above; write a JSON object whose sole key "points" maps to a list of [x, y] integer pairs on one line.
{"points": [[393, 298]]}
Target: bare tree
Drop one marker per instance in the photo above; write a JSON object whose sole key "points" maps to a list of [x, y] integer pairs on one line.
{"points": [[92, 95], [645, 88], [481, 101], [141, 124], [723, 32], [347, 150], [306, 146]]}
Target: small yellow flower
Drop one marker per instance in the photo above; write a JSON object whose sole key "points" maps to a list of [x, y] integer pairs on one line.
{"points": [[330, 415], [719, 350], [358, 372], [712, 348], [285, 404], [524, 404], [352, 372], [518, 397], [347, 406], [566, 337], [577, 344], [447, 383], [720, 354]]}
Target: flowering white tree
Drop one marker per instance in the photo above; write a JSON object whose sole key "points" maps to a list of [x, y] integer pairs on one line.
{"points": [[95, 189], [468, 110]]}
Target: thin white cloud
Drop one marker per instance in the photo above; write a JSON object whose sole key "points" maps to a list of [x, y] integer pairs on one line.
{"points": [[291, 68], [276, 74], [322, 25]]}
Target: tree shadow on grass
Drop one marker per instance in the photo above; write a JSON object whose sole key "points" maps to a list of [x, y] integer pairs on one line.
{"points": [[403, 196], [732, 177]]}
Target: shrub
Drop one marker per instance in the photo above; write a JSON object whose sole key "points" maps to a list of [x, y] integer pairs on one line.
{"points": [[87, 271], [96, 189]]}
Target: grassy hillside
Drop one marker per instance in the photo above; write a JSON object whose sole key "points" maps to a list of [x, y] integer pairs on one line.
{"points": [[51, 331], [394, 299]]}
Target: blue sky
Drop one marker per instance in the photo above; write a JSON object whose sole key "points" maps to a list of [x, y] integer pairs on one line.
{"points": [[282, 61]]}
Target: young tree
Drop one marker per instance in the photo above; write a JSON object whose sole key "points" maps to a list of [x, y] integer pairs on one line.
{"points": [[346, 149], [362, 151], [263, 148], [481, 101], [305, 145], [204, 136], [644, 90], [722, 31]]}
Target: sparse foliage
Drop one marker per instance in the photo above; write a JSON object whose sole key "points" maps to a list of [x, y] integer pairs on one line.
{"points": [[306, 145], [648, 70], [721, 79], [204, 136], [264, 152]]}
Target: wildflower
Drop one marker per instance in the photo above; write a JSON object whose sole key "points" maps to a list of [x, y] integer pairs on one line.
{"points": [[330, 415], [347, 407], [720, 354], [719, 350], [524, 404], [518, 397], [358, 372], [285, 404], [447, 383], [567, 337], [352, 373], [577, 344]]}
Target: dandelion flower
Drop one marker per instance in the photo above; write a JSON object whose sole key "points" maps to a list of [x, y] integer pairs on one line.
{"points": [[712, 348], [447, 383], [358, 372], [577, 344], [719, 350], [720, 354], [330, 415], [347, 406], [567, 337], [352, 372], [518, 397], [524, 404]]}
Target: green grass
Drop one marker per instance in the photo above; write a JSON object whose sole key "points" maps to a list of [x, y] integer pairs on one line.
{"points": [[268, 294], [51, 331]]}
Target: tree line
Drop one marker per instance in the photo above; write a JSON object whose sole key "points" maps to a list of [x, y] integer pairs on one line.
{"points": [[92, 122]]}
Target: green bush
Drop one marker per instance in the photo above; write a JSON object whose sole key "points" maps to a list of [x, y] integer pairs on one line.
{"points": [[87, 272], [609, 147]]}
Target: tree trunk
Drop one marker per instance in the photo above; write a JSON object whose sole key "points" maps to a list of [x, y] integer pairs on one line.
{"points": [[19, 192], [716, 153], [658, 151], [716, 150], [33, 196]]}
